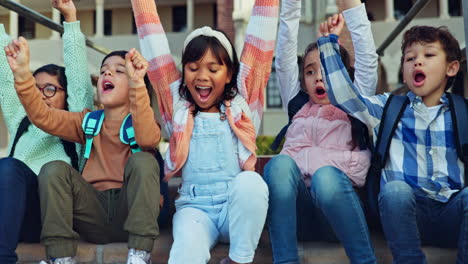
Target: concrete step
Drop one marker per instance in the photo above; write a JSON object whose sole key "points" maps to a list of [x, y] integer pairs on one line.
{"points": [[309, 252]]}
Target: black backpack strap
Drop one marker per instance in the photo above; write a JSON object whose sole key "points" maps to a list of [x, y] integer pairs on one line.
{"points": [[459, 112], [70, 150], [22, 128], [392, 112]]}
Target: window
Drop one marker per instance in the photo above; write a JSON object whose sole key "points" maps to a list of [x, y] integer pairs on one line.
{"points": [[179, 18], [26, 28], [455, 7], [273, 92], [107, 22], [402, 7]]}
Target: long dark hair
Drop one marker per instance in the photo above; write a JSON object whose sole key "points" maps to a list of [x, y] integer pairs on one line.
{"points": [[194, 51], [357, 127], [57, 71]]}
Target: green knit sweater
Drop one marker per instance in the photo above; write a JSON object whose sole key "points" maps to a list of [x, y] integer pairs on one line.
{"points": [[35, 147]]}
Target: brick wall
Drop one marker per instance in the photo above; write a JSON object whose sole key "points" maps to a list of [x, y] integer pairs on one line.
{"points": [[224, 18]]}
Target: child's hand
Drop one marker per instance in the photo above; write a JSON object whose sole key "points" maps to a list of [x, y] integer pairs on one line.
{"points": [[17, 53], [67, 8], [136, 67], [333, 25]]}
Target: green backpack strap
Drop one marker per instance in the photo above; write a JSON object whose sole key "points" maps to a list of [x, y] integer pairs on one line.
{"points": [[127, 134], [91, 125]]}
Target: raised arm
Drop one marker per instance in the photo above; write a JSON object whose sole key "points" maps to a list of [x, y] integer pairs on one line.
{"points": [[366, 58], [147, 132], [12, 110], [257, 56], [162, 72], [341, 91], [61, 123], [79, 88], [287, 70]]}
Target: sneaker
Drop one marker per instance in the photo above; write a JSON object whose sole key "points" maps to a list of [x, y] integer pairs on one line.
{"points": [[138, 257], [67, 260]]}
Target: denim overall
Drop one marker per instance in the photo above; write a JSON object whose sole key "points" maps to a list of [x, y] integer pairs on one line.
{"points": [[218, 201]]}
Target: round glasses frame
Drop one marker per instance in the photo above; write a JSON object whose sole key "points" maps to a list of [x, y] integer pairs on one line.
{"points": [[49, 90]]}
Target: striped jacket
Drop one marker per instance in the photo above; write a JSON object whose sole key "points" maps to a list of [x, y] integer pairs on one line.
{"points": [[244, 112]]}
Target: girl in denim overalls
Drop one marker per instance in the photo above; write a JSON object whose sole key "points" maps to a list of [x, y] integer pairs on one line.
{"points": [[212, 114]]}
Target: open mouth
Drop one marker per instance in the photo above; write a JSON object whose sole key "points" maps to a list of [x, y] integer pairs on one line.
{"points": [[320, 92], [107, 86], [419, 78], [203, 92]]}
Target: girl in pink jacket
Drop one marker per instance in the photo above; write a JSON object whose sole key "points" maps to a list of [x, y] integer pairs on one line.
{"points": [[312, 181]]}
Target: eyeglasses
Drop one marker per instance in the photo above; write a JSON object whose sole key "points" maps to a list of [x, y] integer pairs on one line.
{"points": [[49, 90]]}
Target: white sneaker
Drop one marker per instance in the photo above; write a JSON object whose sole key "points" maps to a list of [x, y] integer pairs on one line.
{"points": [[67, 260], [138, 257]]}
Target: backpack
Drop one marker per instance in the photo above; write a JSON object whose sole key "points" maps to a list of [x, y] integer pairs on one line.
{"points": [[392, 112], [69, 147], [92, 124], [298, 101]]}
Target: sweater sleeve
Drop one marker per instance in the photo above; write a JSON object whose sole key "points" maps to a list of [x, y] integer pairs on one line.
{"points": [[147, 131], [61, 123], [162, 72], [287, 70], [12, 110], [365, 65], [79, 88], [257, 55]]}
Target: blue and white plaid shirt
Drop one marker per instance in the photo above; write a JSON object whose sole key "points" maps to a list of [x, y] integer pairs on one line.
{"points": [[423, 149]]}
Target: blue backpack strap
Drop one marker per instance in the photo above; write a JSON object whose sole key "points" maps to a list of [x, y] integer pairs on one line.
{"points": [[127, 134], [459, 112], [91, 125]]}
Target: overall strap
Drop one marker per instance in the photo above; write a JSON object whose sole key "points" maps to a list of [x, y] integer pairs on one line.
{"points": [[459, 112], [92, 124], [127, 134], [22, 128]]}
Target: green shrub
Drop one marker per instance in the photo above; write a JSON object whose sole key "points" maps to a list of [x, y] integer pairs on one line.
{"points": [[263, 146]]}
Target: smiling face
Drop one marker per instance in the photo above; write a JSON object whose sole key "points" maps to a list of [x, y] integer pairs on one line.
{"points": [[206, 79], [113, 89], [313, 79], [426, 70], [43, 80]]}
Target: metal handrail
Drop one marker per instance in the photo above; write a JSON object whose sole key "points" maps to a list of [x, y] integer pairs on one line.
{"points": [[418, 6], [45, 21]]}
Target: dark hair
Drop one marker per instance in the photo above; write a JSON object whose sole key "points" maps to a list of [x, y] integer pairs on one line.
{"points": [[356, 125], [427, 34], [195, 50], [121, 54], [345, 57], [57, 71]]}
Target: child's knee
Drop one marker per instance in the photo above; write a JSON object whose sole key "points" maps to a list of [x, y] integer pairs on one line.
{"points": [[142, 164], [397, 193], [249, 183], [53, 172]]}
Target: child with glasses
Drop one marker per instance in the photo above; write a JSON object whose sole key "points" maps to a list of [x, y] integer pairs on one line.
{"points": [[29, 146]]}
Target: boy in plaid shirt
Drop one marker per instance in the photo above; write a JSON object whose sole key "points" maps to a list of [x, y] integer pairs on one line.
{"points": [[422, 197]]}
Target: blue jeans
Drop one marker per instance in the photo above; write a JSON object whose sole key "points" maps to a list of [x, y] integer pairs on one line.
{"points": [[232, 212], [20, 215], [410, 220], [329, 207]]}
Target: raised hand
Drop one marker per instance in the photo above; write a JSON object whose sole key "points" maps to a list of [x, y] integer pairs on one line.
{"points": [[17, 53], [67, 9], [136, 67], [333, 25]]}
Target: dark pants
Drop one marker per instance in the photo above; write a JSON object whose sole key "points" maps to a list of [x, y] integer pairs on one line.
{"points": [[72, 209], [19, 207]]}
